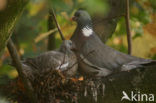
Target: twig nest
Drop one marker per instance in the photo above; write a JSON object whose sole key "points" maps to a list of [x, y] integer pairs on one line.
{"points": [[54, 86]]}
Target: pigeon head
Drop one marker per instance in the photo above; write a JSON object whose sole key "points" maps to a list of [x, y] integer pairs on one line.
{"points": [[84, 22], [82, 18], [68, 45]]}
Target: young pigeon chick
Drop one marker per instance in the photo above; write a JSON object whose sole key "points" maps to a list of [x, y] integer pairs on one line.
{"points": [[62, 59], [104, 60]]}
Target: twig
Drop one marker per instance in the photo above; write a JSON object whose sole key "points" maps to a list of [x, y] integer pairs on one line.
{"points": [[51, 11], [114, 17], [127, 18], [81, 59], [63, 59], [44, 35], [18, 65], [51, 38], [110, 18]]}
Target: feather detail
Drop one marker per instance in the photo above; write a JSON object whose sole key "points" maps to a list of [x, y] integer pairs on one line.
{"points": [[87, 31], [63, 66]]}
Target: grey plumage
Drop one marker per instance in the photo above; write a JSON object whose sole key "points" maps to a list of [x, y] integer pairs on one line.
{"points": [[61, 59], [103, 56], [91, 69]]}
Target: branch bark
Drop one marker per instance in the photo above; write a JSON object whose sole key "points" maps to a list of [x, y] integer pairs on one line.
{"points": [[51, 11], [16, 60], [128, 28], [44, 35], [51, 37]]}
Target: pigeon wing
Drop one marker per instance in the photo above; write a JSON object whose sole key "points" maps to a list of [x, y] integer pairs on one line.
{"points": [[93, 69], [48, 60]]}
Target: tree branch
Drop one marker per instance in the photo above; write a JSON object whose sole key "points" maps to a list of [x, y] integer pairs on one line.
{"points": [[44, 35], [64, 57], [15, 57], [51, 37], [51, 11], [81, 59], [109, 18], [127, 18]]}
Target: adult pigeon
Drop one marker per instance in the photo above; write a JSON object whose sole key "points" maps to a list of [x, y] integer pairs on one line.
{"points": [[62, 59], [103, 60]]}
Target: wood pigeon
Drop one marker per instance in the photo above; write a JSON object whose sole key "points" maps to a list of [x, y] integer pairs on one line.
{"points": [[104, 60], [62, 59]]}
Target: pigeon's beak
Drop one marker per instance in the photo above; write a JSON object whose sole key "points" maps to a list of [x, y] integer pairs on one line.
{"points": [[73, 18]]}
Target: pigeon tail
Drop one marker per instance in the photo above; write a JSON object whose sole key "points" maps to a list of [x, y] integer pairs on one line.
{"points": [[137, 64]]}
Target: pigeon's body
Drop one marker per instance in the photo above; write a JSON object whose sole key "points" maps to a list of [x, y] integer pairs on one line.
{"points": [[102, 56], [62, 59]]}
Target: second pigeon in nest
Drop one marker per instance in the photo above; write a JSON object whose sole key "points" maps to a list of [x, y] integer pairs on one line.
{"points": [[62, 59]]}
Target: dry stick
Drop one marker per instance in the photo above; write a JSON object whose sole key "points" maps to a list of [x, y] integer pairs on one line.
{"points": [[127, 18], [64, 57], [81, 59], [51, 11], [18, 65], [114, 17], [51, 38], [44, 35], [110, 18]]}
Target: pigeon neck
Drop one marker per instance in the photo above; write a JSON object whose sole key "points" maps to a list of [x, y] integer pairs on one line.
{"points": [[65, 50], [85, 24], [86, 29]]}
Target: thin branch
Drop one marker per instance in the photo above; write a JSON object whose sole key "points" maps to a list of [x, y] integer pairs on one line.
{"points": [[114, 17], [16, 59], [81, 59], [51, 38], [64, 57], [109, 18], [127, 18], [51, 11], [44, 35]]}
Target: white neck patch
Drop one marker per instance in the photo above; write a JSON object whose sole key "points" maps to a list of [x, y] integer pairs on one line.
{"points": [[87, 31]]}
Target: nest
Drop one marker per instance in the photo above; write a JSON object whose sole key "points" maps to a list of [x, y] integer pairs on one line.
{"points": [[53, 87]]}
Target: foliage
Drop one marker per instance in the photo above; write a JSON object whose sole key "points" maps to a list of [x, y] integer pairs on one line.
{"points": [[8, 18], [141, 15]]}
